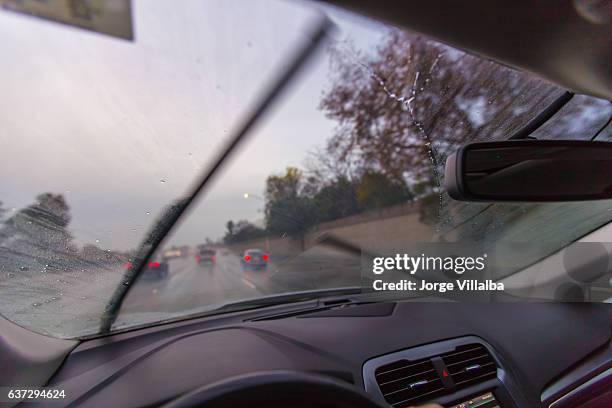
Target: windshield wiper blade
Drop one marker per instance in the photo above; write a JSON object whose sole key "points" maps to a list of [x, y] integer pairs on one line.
{"points": [[160, 231]]}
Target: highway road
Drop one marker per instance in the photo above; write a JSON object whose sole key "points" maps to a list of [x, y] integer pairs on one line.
{"points": [[190, 285], [69, 302]]}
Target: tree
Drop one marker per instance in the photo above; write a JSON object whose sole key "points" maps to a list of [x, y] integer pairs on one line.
{"points": [[242, 231], [2, 211], [288, 210], [376, 190], [230, 227], [43, 224], [336, 199], [38, 236], [403, 109]]}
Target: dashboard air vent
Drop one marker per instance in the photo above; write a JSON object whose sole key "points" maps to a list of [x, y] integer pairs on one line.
{"points": [[405, 382], [468, 364]]}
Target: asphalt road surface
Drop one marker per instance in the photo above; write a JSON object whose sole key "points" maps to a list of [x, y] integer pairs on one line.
{"points": [[190, 285], [69, 304]]}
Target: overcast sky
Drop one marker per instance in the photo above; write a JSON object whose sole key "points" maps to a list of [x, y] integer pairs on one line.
{"points": [[122, 128]]}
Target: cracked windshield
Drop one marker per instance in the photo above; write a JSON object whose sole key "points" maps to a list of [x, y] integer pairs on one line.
{"points": [[103, 139]]}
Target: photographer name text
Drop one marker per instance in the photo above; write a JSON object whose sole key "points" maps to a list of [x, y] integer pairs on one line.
{"points": [[462, 285]]}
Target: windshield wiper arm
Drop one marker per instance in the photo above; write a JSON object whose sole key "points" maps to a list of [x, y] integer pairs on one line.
{"points": [[159, 232], [543, 117], [291, 297]]}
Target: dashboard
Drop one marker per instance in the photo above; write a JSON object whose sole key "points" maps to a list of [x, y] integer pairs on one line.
{"points": [[460, 355]]}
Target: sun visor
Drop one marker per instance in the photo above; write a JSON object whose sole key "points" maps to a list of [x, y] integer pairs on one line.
{"points": [[111, 17]]}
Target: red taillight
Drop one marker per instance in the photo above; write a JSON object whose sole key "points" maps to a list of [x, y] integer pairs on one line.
{"points": [[154, 264], [213, 258], [265, 257], [127, 265], [247, 258], [197, 258]]}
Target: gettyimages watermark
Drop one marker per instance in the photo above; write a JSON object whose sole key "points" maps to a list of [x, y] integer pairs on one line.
{"points": [[532, 271], [420, 264]]}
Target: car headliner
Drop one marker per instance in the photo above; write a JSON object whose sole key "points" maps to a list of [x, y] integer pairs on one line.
{"points": [[559, 40]]}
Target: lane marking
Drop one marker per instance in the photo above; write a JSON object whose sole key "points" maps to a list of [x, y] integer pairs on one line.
{"points": [[248, 283]]}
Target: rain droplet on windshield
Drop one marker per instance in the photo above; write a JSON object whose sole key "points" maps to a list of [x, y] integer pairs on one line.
{"points": [[36, 304], [148, 213], [162, 181]]}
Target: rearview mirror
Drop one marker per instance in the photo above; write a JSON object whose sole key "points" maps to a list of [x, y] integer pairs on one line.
{"points": [[530, 170]]}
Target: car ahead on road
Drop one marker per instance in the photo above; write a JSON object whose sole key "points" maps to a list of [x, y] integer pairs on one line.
{"points": [[206, 256], [155, 269], [172, 253], [254, 259]]}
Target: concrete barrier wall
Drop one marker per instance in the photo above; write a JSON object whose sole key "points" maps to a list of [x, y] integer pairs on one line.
{"points": [[395, 226], [393, 231], [278, 246]]}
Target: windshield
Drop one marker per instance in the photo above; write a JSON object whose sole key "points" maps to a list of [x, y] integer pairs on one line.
{"points": [[102, 137]]}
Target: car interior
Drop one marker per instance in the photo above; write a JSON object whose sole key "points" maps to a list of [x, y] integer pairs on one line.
{"points": [[541, 346]]}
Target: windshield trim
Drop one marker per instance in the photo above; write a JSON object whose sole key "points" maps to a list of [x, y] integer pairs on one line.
{"points": [[287, 299]]}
